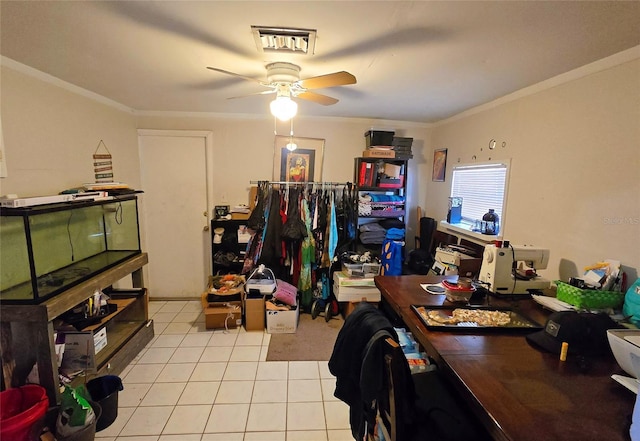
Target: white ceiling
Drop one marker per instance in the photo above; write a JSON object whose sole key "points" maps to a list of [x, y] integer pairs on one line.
{"points": [[414, 61]]}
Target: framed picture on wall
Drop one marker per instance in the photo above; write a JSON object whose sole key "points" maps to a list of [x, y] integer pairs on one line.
{"points": [[439, 165], [304, 164]]}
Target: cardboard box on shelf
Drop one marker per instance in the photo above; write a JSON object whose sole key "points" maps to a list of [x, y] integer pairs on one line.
{"points": [[379, 153], [254, 313], [282, 322]]}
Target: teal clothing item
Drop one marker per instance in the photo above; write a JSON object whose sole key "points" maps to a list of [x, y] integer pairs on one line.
{"points": [[333, 230]]}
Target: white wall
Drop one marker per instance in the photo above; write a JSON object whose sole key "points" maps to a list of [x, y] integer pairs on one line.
{"points": [[575, 161], [50, 135], [574, 149]]}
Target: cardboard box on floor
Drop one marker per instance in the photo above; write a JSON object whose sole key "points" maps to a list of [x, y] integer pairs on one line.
{"points": [[254, 313], [282, 322], [348, 307], [223, 316]]}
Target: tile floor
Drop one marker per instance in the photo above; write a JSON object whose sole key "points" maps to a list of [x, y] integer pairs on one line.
{"points": [[194, 384]]}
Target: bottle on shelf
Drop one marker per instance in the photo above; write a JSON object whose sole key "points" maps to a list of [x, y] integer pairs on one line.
{"points": [[491, 222]]}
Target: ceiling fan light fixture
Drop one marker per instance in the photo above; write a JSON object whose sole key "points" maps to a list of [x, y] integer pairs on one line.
{"points": [[283, 108]]}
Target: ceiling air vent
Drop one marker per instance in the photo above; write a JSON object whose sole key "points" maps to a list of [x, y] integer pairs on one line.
{"points": [[298, 41]]}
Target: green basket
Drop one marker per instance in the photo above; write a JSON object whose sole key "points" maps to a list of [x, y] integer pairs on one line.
{"points": [[589, 298]]}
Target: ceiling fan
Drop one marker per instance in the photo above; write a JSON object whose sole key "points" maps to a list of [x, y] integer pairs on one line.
{"points": [[283, 79]]}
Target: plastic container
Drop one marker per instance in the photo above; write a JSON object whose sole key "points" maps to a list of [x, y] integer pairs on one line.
{"points": [[87, 433], [22, 411], [588, 298], [104, 390]]}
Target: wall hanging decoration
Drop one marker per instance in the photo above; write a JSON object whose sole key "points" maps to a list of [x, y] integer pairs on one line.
{"points": [[304, 164], [439, 165], [102, 163]]}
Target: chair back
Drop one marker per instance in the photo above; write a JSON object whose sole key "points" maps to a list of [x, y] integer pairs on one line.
{"points": [[397, 391]]}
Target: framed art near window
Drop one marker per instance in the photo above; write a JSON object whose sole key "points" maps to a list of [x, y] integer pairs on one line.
{"points": [[304, 164], [439, 165]]}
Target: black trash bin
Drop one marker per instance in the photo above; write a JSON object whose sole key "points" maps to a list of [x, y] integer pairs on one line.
{"points": [[104, 390]]}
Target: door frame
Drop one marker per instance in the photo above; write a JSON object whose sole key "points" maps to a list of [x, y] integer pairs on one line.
{"points": [[207, 135]]}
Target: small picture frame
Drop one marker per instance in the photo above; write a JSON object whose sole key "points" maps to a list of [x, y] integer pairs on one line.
{"points": [[439, 165], [304, 164]]}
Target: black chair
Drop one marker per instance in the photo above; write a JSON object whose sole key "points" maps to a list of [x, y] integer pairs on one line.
{"points": [[421, 407], [422, 257]]}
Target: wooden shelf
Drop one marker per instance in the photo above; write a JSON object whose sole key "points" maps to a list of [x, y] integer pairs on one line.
{"points": [[122, 305]]}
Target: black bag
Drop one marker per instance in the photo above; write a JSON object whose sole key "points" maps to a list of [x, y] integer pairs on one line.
{"points": [[256, 219]]}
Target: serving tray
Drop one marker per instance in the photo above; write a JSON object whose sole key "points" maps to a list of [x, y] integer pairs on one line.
{"points": [[472, 319]]}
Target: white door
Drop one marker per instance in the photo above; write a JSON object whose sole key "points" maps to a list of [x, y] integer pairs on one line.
{"points": [[175, 208]]}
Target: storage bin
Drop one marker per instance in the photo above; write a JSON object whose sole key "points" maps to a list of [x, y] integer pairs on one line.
{"points": [[104, 390], [588, 298], [22, 411]]}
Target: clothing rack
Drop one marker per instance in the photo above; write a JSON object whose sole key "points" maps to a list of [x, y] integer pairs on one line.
{"points": [[306, 184]]}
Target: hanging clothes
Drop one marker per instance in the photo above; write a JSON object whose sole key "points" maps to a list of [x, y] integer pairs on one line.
{"points": [[305, 284]]}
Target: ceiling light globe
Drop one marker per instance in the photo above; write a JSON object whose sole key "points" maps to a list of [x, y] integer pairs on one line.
{"points": [[283, 108]]}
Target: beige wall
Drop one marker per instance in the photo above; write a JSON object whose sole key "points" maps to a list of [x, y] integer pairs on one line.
{"points": [[574, 151], [575, 162]]}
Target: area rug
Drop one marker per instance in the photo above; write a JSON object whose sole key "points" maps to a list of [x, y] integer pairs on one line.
{"points": [[313, 340]]}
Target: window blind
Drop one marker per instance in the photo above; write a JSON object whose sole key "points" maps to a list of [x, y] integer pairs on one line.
{"points": [[481, 187]]}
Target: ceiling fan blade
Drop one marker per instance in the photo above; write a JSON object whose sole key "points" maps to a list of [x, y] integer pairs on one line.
{"points": [[235, 75], [266, 92], [317, 98], [329, 80]]}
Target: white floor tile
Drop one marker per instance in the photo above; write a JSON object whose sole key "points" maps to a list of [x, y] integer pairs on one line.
{"points": [[167, 341], [264, 351], [232, 392], [303, 370], [182, 437], [220, 338], [143, 373], [216, 353], [157, 355], [147, 421], [199, 392], [337, 415], [304, 391], [252, 338], [228, 418], [323, 367], [199, 327], [245, 353], [155, 306], [176, 373], [265, 417], [265, 436], [124, 414], [273, 370], [305, 416], [177, 328], [158, 328], [269, 392], [266, 338], [188, 419], [132, 394], [208, 372], [186, 355], [192, 306], [241, 370], [174, 306], [137, 438], [163, 317], [196, 340], [163, 394], [187, 317], [328, 388], [223, 437], [340, 435], [308, 435]]}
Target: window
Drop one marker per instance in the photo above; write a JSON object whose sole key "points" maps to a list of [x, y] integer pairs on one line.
{"points": [[481, 187]]}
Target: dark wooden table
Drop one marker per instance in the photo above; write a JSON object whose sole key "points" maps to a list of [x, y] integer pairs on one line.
{"points": [[518, 392]]}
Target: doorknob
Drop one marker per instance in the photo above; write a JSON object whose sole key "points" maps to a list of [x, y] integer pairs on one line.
{"points": [[205, 213]]}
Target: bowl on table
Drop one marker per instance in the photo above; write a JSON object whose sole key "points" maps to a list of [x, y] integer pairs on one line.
{"points": [[459, 292]]}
